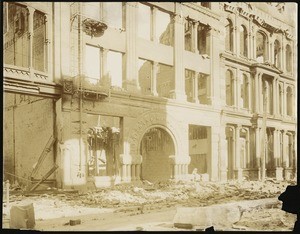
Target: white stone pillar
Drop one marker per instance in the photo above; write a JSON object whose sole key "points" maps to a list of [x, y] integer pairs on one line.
{"points": [[153, 33], [274, 107], [260, 90], [237, 153], [124, 172], [284, 104], [138, 172], [238, 89], [179, 89], [128, 172], [133, 172], [130, 82]]}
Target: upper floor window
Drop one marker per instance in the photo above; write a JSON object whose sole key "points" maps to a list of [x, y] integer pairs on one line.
{"points": [[197, 132], [280, 99], [165, 80], [164, 28], [114, 14], [243, 41], [39, 41], [290, 101], [188, 35], [16, 40], [244, 92], [145, 75], [229, 88], [203, 85], [267, 92], [92, 64], [261, 47], [115, 68], [277, 53], [229, 36], [203, 39], [144, 21], [288, 58], [189, 85]]}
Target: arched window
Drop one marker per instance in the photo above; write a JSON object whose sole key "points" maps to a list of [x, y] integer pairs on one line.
{"points": [[261, 47], [289, 99], [229, 36], [243, 41], [244, 92], [288, 58], [277, 53], [229, 88]]}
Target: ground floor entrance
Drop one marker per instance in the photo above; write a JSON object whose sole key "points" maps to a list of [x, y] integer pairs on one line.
{"points": [[156, 147]]}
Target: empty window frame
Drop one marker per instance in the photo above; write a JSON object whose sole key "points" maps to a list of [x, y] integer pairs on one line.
{"points": [[165, 80], [203, 89], [114, 12], [290, 101], [244, 92], [16, 40], [115, 68], [188, 35], [164, 28], [261, 47], [145, 75], [92, 10], [267, 90], [144, 21], [203, 39], [243, 41], [280, 99], [229, 88], [92, 64], [229, 36], [288, 58], [277, 54], [39, 39], [189, 85]]}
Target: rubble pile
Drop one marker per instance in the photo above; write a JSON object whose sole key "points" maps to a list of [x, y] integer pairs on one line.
{"points": [[183, 193]]}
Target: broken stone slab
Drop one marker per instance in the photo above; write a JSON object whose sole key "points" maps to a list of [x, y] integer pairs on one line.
{"points": [[221, 216], [22, 217]]}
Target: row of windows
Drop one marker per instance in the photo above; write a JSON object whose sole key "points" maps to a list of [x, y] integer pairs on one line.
{"points": [[247, 94], [262, 50]]}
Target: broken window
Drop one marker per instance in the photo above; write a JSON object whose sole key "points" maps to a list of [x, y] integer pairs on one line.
{"points": [[244, 148], [144, 21], [277, 53], [261, 53], [145, 75], [268, 94], [198, 148], [189, 85], [165, 80], [229, 88], [244, 92], [289, 104], [16, 40], [243, 41], [203, 39], [164, 28], [114, 14], [280, 99], [115, 68], [188, 35], [288, 58], [39, 41], [104, 145], [92, 10], [229, 36], [92, 64], [203, 88]]}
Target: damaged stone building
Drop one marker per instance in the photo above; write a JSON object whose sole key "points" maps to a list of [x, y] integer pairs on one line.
{"points": [[99, 93]]}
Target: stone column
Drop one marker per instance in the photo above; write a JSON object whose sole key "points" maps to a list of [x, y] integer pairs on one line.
{"points": [[133, 175], [154, 79], [239, 172], [196, 80], [179, 89], [284, 104], [256, 90], [260, 94], [31, 11], [235, 98], [153, 31], [138, 172], [130, 82], [276, 150], [238, 89], [275, 103]]}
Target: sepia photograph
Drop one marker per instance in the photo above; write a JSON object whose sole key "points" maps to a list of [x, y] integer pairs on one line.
{"points": [[150, 116]]}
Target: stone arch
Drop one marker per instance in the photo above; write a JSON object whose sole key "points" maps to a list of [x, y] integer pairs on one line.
{"points": [[152, 119]]}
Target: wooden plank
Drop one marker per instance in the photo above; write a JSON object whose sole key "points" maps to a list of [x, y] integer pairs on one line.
{"points": [[42, 157], [44, 177]]}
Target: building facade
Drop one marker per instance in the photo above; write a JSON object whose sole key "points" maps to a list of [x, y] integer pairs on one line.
{"points": [[114, 92]]}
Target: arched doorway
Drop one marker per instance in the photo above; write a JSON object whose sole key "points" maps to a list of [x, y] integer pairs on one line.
{"points": [[156, 147]]}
